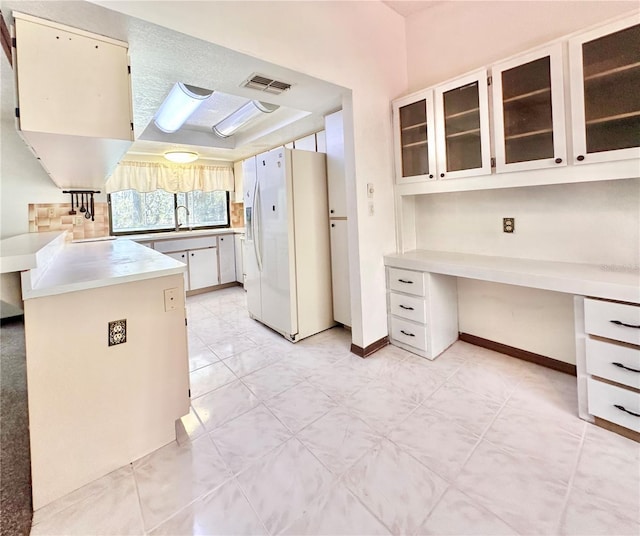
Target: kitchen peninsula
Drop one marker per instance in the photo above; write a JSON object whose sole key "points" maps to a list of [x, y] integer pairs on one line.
{"points": [[106, 352]]}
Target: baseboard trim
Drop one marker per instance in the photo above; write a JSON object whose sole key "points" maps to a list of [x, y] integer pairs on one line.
{"points": [[215, 287], [617, 429], [538, 359], [371, 349]]}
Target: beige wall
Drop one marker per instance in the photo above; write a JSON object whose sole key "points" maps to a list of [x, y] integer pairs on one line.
{"points": [[358, 45], [116, 403], [452, 38], [597, 222]]}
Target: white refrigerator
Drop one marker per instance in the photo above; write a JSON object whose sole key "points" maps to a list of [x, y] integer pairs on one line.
{"points": [[287, 252]]}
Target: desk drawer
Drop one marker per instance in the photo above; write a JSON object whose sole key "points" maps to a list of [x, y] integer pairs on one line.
{"points": [[409, 333], [606, 319], [614, 404], [410, 307], [614, 362], [406, 281]]}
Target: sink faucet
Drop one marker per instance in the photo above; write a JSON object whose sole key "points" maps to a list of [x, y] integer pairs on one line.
{"points": [[178, 225]]}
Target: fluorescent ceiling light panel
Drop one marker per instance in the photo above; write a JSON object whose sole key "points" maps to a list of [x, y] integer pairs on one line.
{"points": [[181, 157], [242, 116], [181, 102]]}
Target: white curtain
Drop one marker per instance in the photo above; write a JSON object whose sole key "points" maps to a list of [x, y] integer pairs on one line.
{"points": [[150, 176]]}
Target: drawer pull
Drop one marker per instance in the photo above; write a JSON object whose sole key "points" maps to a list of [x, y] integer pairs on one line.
{"points": [[622, 408], [411, 309], [618, 323], [625, 368], [412, 335], [411, 283]]}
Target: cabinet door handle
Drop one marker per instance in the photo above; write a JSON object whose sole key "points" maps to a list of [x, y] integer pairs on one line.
{"points": [[580, 158], [431, 176], [618, 323], [622, 408], [405, 307], [441, 175], [558, 160], [405, 281], [406, 333], [620, 365]]}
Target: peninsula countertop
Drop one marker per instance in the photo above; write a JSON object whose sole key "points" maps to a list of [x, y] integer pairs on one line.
{"points": [[87, 265], [614, 282]]}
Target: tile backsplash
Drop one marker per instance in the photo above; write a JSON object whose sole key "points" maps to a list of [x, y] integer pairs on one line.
{"points": [[55, 217], [237, 214]]}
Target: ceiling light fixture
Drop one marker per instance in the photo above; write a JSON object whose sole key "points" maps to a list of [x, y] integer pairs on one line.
{"points": [[181, 157], [242, 116], [180, 103]]}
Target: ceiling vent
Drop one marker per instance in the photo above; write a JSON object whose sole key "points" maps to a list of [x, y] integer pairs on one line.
{"points": [[263, 83]]}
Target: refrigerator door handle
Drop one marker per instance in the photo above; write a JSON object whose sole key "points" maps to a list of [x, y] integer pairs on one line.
{"points": [[255, 222]]}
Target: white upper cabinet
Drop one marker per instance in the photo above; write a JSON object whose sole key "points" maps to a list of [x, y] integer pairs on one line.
{"points": [[529, 111], [73, 100], [605, 92], [462, 127], [336, 181], [414, 138]]}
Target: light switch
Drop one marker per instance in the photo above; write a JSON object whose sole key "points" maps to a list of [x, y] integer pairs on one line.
{"points": [[370, 190], [170, 299]]}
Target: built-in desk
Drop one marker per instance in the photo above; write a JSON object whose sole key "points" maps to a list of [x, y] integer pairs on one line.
{"points": [[423, 312]]}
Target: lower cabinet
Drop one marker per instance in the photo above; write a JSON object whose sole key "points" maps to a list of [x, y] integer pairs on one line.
{"points": [[422, 310], [608, 361], [203, 268], [210, 260], [182, 257], [226, 251]]}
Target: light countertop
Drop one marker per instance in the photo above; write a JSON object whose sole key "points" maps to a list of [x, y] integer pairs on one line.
{"points": [[22, 252], [81, 266], [597, 280]]}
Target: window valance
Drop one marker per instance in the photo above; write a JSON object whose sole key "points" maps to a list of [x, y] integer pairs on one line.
{"points": [[150, 176]]}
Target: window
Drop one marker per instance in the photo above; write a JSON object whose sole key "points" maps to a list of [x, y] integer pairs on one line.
{"points": [[131, 211]]}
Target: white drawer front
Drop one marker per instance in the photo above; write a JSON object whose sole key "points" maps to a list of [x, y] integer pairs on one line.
{"points": [[409, 333], [181, 244], [406, 281], [607, 318], [614, 404], [614, 362], [408, 307]]}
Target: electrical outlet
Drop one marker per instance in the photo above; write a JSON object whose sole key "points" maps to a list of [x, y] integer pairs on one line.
{"points": [[508, 225], [170, 299], [79, 220], [117, 332], [52, 212], [371, 209]]}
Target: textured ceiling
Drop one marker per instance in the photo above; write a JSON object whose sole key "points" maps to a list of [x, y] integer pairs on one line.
{"points": [[161, 57]]}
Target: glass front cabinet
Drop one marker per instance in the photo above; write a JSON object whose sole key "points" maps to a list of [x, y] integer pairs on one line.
{"points": [[529, 111], [605, 93], [587, 85], [413, 137], [462, 127]]}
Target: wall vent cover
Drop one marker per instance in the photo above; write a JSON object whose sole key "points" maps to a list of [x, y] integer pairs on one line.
{"points": [[264, 83]]}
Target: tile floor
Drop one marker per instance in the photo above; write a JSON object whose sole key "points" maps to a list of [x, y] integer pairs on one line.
{"points": [[310, 439]]}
